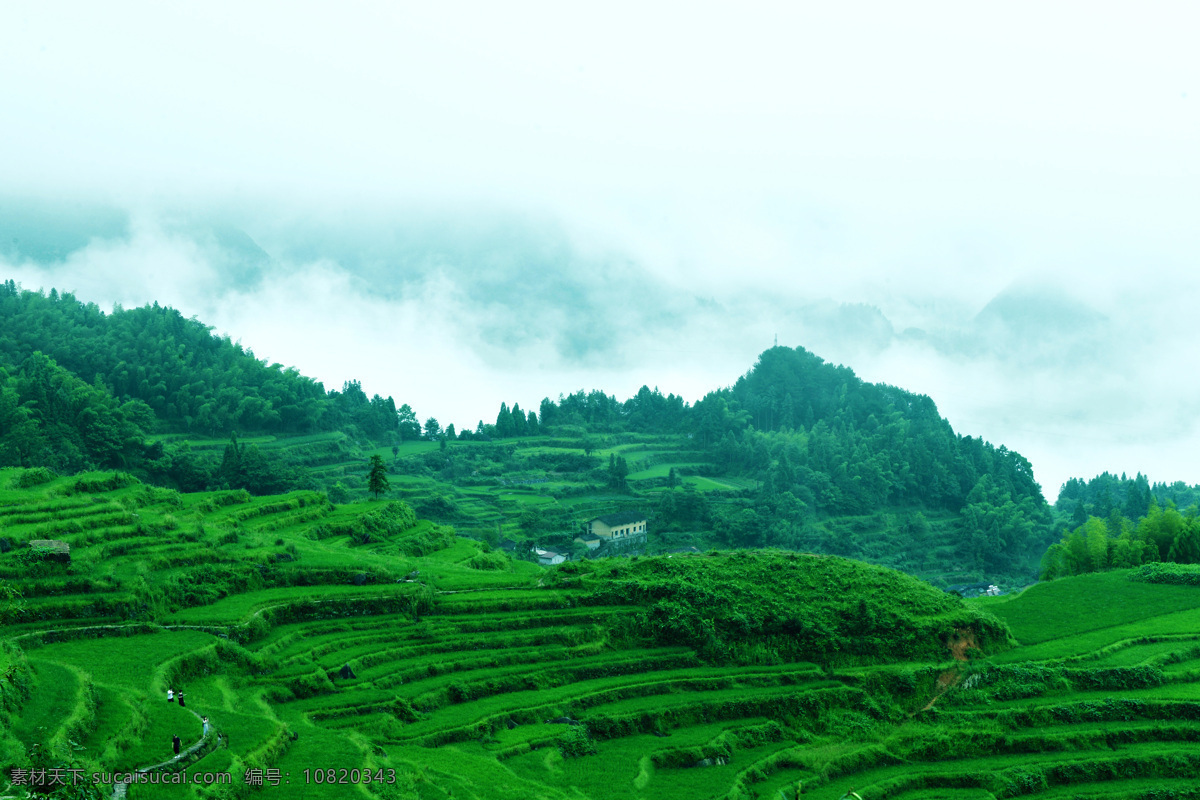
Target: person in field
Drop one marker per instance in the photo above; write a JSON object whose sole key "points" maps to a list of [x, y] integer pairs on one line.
{"points": [[176, 744]]}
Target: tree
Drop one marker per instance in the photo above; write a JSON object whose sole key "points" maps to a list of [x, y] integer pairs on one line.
{"points": [[377, 482], [504, 423], [1080, 516], [618, 469], [1096, 534], [230, 471], [1186, 547], [11, 607], [432, 429], [996, 530], [407, 423], [547, 411]]}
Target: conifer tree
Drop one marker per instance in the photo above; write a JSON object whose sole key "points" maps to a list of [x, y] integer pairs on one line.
{"points": [[377, 482], [504, 423]]}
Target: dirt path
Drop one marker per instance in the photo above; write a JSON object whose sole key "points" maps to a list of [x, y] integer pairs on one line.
{"points": [[120, 789], [960, 642]]}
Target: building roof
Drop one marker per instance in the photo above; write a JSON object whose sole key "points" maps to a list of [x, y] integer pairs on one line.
{"points": [[620, 518]]}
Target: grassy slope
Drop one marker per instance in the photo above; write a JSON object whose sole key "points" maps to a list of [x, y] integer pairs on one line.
{"points": [[459, 701], [1086, 603]]}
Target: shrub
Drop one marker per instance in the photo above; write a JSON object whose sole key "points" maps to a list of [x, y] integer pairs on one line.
{"points": [[96, 483], [1163, 572], [232, 498], [575, 741], [33, 477], [432, 539], [488, 561]]}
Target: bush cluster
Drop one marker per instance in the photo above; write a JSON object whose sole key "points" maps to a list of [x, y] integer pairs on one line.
{"points": [[1165, 572]]}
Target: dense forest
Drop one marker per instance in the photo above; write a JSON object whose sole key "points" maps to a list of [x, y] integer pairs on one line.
{"points": [[189, 378], [1121, 522]]}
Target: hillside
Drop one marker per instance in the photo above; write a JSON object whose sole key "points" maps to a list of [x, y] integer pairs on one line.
{"points": [[797, 454], [358, 637]]}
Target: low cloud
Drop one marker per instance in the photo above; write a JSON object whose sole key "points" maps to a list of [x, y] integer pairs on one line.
{"points": [[455, 315]]}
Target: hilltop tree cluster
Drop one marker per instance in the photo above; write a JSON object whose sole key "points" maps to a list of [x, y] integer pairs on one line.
{"points": [[178, 373]]}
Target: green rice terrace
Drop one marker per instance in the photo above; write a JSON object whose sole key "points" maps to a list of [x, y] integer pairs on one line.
{"points": [[541, 489], [355, 650]]}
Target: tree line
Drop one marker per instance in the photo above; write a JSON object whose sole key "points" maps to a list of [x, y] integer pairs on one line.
{"points": [[1162, 534]]}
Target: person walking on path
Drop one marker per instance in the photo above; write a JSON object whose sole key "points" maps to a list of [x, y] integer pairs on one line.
{"points": [[181, 699], [176, 744], [170, 695], [204, 721]]}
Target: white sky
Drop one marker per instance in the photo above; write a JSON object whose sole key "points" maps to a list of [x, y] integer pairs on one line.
{"points": [[719, 173]]}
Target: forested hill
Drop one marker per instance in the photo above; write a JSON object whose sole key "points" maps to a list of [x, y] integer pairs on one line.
{"points": [[879, 444], [800, 424], [776, 458], [820, 443], [187, 378], [81, 389]]}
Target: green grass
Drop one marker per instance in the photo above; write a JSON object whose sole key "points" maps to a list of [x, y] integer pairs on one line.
{"points": [[704, 484], [661, 470], [126, 662], [1075, 605], [1143, 653], [1178, 623], [53, 698]]}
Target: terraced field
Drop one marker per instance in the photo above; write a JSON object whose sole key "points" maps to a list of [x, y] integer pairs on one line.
{"points": [[318, 639], [541, 489]]}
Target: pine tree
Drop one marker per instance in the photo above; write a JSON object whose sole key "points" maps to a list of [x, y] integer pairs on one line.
{"points": [[377, 482], [504, 422]]}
